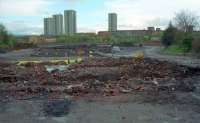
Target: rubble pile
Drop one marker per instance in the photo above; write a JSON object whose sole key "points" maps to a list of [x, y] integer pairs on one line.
{"points": [[97, 76], [149, 69], [8, 73], [104, 62], [18, 46], [62, 51], [146, 69]]}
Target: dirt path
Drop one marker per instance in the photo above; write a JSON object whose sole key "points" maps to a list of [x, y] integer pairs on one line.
{"points": [[17, 54], [153, 52]]}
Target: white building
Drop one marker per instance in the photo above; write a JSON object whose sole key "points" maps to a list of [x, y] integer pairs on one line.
{"points": [[58, 24], [112, 22], [70, 22], [49, 27]]}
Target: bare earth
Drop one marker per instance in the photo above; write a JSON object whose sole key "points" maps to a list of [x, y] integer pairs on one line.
{"points": [[138, 106]]}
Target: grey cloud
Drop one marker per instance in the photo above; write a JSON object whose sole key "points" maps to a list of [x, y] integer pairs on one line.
{"points": [[158, 22], [22, 28]]}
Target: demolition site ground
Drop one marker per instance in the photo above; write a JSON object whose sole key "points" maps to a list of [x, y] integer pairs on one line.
{"points": [[97, 87]]}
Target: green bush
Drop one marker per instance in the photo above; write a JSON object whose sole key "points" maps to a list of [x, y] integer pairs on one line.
{"points": [[6, 40], [179, 37], [187, 44], [169, 35]]}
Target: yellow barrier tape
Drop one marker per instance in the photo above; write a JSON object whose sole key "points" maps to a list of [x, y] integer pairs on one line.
{"points": [[68, 61]]}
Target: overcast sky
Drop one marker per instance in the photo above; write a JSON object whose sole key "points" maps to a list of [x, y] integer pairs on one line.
{"points": [[26, 16]]}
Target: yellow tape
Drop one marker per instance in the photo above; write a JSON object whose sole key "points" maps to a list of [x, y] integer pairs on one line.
{"points": [[70, 61]]}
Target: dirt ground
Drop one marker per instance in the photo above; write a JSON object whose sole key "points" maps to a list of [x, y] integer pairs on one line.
{"points": [[100, 89], [98, 111]]}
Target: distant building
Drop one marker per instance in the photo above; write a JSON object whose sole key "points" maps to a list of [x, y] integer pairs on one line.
{"points": [[129, 33], [112, 22], [151, 29], [158, 29], [58, 24], [49, 27], [46, 26], [52, 26], [123, 33], [70, 22]]}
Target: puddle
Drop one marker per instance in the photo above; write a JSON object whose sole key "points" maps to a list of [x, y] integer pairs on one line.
{"points": [[57, 108], [51, 68]]}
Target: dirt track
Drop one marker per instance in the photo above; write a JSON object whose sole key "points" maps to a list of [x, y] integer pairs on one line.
{"points": [[150, 51], [154, 52], [87, 111]]}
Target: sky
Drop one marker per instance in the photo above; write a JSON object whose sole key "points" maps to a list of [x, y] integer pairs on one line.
{"points": [[25, 17]]}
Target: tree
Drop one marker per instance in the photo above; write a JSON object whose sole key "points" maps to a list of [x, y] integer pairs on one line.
{"points": [[6, 39], [3, 34], [186, 21], [169, 35]]}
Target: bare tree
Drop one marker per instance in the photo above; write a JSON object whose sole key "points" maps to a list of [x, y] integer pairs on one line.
{"points": [[186, 21]]}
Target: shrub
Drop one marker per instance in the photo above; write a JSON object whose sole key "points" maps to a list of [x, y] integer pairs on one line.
{"points": [[6, 40], [60, 39], [169, 35], [187, 44], [180, 36]]}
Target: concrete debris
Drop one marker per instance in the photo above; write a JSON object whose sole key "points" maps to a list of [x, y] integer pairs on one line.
{"points": [[116, 49]]}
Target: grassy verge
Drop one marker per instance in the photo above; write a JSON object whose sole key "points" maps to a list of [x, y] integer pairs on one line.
{"points": [[2, 45], [8, 43], [174, 50]]}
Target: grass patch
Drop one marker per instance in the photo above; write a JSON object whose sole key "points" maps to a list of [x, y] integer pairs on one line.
{"points": [[174, 50], [8, 43]]}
